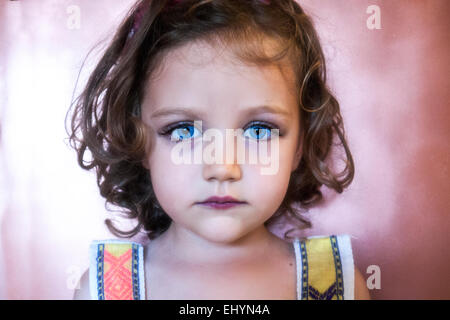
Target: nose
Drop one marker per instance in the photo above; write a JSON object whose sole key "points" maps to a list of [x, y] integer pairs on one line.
{"points": [[227, 169], [222, 172]]}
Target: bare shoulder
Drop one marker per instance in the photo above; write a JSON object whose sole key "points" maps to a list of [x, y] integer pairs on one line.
{"points": [[82, 292], [361, 291]]}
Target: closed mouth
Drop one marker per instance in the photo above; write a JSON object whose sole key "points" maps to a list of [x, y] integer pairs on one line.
{"points": [[222, 202], [225, 199], [221, 205]]}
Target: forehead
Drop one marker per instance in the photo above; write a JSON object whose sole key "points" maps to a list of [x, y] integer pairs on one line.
{"points": [[205, 75]]}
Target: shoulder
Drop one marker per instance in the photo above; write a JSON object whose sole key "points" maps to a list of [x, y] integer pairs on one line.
{"points": [[82, 290], [361, 291]]}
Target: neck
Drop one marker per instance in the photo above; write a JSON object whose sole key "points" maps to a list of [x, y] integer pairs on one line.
{"points": [[184, 246]]}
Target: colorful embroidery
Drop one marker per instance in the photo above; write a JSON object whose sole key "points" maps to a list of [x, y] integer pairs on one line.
{"points": [[117, 273], [322, 277], [327, 295]]}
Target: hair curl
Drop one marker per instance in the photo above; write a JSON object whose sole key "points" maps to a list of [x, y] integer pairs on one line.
{"points": [[106, 119]]}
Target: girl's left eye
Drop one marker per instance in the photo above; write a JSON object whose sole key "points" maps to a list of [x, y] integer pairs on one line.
{"points": [[259, 131]]}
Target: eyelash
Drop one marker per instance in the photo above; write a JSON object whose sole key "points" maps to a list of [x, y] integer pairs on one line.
{"points": [[167, 131]]}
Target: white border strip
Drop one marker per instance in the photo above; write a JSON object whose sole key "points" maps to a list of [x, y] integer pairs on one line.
{"points": [[348, 268], [141, 272], [299, 267], [93, 270]]}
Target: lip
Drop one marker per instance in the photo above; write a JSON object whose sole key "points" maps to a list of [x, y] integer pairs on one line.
{"points": [[221, 202]]}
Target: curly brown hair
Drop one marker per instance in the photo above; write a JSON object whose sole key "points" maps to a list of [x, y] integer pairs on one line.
{"points": [[107, 116]]}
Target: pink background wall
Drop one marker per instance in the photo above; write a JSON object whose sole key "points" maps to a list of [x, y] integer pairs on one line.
{"points": [[393, 86]]}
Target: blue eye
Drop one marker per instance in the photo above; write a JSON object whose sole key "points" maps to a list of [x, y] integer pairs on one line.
{"points": [[259, 132], [183, 132], [186, 130]]}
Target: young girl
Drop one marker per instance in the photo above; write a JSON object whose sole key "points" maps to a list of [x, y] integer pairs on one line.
{"points": [[175, 71]]}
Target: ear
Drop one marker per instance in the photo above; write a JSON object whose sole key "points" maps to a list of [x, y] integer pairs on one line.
{"points": [[148, 143], [144, 164], [298, 154], [145, 159], [297, 158]]}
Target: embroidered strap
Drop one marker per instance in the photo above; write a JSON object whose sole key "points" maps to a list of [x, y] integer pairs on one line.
{"points": [[116, 270], [325, 268]]}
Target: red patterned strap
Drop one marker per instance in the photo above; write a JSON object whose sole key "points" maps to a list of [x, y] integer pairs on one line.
{"points": [[116, 270]]}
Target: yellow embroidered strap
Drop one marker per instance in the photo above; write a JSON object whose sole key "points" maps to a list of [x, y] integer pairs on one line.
{"points": [[322, 276], [119, 270]]}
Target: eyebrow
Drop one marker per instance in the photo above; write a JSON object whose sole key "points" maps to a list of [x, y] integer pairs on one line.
{"points": [[251, 111]]}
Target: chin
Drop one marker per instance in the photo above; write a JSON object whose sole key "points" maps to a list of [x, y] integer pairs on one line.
{"points": [[224, 232]]}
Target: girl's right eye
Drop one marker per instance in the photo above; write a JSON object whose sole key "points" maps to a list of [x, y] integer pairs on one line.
{"points": [[181, 131]]}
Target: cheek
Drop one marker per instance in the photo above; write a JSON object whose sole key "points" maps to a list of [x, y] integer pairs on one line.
{"points": [[172, 184], [268, 191]]}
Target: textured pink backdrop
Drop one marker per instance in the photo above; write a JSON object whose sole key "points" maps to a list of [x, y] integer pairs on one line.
{"points": [[393, 86]]}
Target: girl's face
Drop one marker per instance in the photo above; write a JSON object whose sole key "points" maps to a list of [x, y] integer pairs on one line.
{"points": [[222, 95]]}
